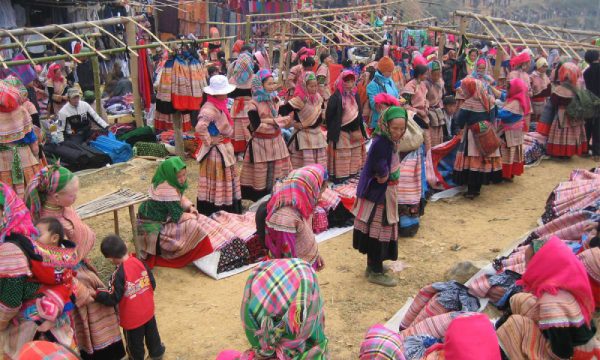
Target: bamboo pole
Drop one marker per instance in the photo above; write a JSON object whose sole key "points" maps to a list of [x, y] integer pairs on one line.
{"points": [[106, 52], [547, 33], [90, 46], [73, 26], [104, 31], [66, 52], [97, 92], [179, 148], [441, 45], [569, 46], [131, 19], [45, 42], [498, 65], [323, 23], [492, 34], [21, 46], [134, 66]]}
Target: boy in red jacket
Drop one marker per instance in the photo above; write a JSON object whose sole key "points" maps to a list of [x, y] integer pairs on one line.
{"points": [[132, 289]]}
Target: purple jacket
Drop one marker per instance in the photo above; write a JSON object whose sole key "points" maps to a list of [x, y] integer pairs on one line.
{"points": [[379, 160]]}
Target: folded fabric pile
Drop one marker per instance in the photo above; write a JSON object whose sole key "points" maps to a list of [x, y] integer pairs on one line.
{"points": [[119, 151], [118, 105]]}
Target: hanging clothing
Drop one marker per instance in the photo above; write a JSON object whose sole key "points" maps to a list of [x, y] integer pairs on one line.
{"points": [[241, 74]]}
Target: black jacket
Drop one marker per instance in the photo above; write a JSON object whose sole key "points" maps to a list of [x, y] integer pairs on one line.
{"points": [[333, 118]]}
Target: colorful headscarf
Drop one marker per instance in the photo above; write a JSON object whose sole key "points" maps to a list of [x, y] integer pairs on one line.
{"points": [[259, 93], [300, 190], [305, 53], [16, 217], [243, 70], [541, 62], [167, 171], [435, 65], [459, 344], [520, 59], [301, 90], [570, 73], [51, 73], [518, 92], [383, 125], [18, 84], [554, 267], [49, 180], [476, 96], [472, 63], [282, 311], [381, 343], [237, 46], [348, 97], [386, 99]]}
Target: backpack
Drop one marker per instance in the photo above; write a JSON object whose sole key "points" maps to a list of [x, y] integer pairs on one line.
{"points": [[585, 104]]}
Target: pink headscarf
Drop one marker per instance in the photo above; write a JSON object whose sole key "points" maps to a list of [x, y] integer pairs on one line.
{"points": [[305, 53], [52, 75], [348, 99], [518, 92], [419, 60], [459, 341], [554, 267], [16, 218], [481, 61], [386, 99], [301, 90]]}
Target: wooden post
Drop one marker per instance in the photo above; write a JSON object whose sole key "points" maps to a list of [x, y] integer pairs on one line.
{"points": [[462, 28], [248, 28], [179, 150], [133, 70], [441, 45], [227, 48], [499, 60], [271, 49], [97, 92]]}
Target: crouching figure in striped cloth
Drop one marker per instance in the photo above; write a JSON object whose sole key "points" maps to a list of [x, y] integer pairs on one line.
{"points": [[282, 313], [553, 319], [171, 232]]}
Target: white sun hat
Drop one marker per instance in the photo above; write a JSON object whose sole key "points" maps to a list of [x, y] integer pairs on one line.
{"points": [[219, 85]]}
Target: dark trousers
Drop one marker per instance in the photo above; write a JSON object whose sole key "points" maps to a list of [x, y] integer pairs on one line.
{"points": [[147, 333], [592, 130]]}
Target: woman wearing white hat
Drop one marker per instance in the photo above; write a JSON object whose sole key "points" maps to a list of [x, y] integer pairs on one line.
{"points": [[218, 182]]}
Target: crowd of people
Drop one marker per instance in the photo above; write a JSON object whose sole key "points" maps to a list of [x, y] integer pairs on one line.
{"points": [[376, 125]]}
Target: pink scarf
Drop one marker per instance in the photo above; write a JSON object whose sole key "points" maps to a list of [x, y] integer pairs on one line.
{"points": [[518, 92], [221, 105], [348, 98], [554, 267]]}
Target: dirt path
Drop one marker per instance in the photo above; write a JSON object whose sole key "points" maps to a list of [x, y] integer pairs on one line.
{"points": [[198, 316]]}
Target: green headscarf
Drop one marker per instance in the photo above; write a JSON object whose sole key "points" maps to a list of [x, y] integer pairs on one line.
{"points": [[391, 113], [50, 180], [167, 171]]}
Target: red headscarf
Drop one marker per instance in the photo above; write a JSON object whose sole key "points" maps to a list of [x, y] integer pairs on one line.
{"points": [[518, 92], [520, 59], [52, 73], [305, 53], [237, 46], [554, 267], [386, 99], [569, 72], [459, 341], [220, 104]]}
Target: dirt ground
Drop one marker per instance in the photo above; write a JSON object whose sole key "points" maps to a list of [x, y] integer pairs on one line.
{"points": [[198, 316]]}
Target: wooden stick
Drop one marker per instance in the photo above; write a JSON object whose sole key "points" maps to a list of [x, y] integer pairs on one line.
{"points": [[151, 34], [179, 149], [134, 67], [93, 48], [55, 44], [21, 46], [569, 46], [492, 34], [547, 33], [104, 31], [498, 65], [73, 26], [97, 92], [116, 221]]}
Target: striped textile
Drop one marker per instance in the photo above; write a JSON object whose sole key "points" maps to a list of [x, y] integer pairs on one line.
{"points": [[516, 261], [480, 286], [282, 311], [308, 138], [435, 326], [477, 163], [348, 156], [262, 176], [560, 310], [381, 343], [575, 195], [288, 220], [177, 239], [329, 199], [29, 165], [591, 260], [301, 158], [242, 226], [96, 326], [567, 141], [423, 297], [263, 150], [437, 135], [568, 227], [45, 350], [24, 331], [218, 184], [410, 185], [374, 229], [239, 114], [513, 160], [15, 125], [12, 262], [348, 189], [163, 92], [165, 122]]}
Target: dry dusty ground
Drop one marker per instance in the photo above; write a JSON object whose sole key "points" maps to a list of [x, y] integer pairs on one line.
{"points": [[198, 316]]}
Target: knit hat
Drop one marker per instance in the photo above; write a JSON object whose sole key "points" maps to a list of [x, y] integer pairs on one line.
{"points": [[385, 64], [89, 96]]}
